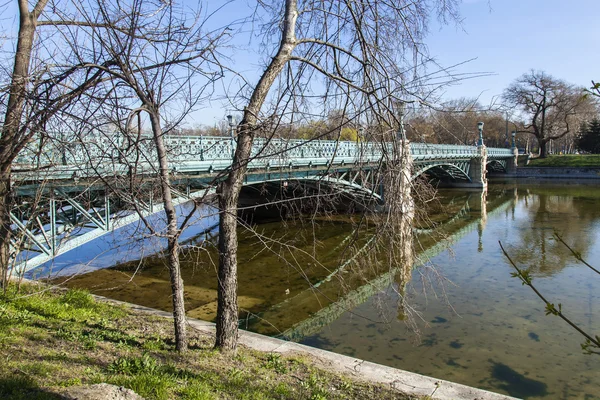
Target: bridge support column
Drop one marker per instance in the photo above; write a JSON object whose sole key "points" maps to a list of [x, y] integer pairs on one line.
{"points": [[477, 171], [511, 164]]}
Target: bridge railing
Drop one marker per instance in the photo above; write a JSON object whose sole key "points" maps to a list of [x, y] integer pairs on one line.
{"points": [[498, 152], [427, 151], [111, 153]]}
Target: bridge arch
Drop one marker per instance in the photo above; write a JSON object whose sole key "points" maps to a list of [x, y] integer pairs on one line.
{"points": [[271, 192], [440, 170], [497, 165]]}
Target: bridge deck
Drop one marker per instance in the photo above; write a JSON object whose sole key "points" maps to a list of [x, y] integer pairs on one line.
{"points": [[70, 171]]}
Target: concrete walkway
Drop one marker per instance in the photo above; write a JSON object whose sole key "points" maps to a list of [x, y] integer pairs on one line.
{"points": [[404, 381]]}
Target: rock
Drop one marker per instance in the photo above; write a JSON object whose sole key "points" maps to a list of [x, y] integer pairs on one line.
{"points": [[100, 391]]}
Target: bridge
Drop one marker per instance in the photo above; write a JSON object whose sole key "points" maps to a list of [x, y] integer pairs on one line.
{"points": [[66, 202]]}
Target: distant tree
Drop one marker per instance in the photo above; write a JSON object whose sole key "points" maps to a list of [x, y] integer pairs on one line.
{"points": [[594, 89], [589, 137], [455, 122], [552, 106]]}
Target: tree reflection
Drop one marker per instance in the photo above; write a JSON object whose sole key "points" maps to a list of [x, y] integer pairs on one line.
{"points": [[569, 215]]}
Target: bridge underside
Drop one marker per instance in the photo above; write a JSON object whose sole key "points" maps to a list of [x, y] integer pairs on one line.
{"points": [[51, 221], [449, 173], [444, 171], [497, 166]]}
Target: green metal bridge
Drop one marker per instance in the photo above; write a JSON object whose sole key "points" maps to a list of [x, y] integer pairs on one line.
{"points": [[64, 201]]}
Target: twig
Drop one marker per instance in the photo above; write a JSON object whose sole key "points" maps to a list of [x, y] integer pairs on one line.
{"points": [[576, 254], [525, 278]]}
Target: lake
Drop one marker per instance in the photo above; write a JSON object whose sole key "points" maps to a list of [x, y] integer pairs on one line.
{"points": [[457, 314]]}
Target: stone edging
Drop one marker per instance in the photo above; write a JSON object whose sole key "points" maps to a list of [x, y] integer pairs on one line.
{"points": [[404, 381], [557, 172]]}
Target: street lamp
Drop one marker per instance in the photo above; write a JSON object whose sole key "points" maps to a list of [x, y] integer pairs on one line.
{"points": [[359, 140], [231, 138], [401, 131], [480, 128], [230, 120]]}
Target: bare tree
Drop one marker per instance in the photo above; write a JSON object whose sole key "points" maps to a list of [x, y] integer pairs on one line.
{"points": [[550, 105], [35, 90], [160, 63], [365, 57]]}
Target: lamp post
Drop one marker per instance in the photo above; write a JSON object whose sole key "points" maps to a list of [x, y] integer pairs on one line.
{"points": [[231, 131], [359, 139], [230, 121], [480, 128]]}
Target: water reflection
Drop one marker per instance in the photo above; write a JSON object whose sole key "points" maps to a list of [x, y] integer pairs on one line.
{"points": [[296, 280], [481, 327], [321, 283], [572, 215]]}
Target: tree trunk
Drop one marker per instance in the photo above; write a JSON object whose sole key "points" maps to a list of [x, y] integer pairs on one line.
{"points": [[177, 292], [12, 122], [543, 150], [229, 190], [5, 231]]}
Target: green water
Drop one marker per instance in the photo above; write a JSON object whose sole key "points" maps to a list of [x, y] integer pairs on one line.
{"points": [[478, 326], [461, 317]]}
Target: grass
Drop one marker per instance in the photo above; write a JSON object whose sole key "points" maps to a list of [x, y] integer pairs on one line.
{"points": [[568, 160], [51, 340]]}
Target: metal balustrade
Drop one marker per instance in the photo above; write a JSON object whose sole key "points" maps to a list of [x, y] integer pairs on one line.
{"points": [[66, 221], [112, 155]]}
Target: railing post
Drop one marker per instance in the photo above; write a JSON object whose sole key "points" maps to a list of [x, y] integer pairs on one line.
{"points": [[201, 149], [53, 230], [106, 212]]}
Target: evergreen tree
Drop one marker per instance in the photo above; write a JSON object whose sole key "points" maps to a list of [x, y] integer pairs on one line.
{"points": [[589, 137]]}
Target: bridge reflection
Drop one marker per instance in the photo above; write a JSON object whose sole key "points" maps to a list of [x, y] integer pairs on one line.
{"points": [[291, 285]]}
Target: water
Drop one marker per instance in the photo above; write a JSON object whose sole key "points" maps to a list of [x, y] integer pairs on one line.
{"points": [[462, 317]]}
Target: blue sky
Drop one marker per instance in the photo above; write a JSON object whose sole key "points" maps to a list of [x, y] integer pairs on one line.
{"points": [[505, 38], [510, 37]]}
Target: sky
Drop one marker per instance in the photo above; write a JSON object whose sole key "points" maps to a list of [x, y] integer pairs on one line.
{"points": [[503, 39], [509, 37]]}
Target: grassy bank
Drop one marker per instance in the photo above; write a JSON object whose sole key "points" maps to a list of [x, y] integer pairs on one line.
{"points": [[51, 340], [568, 160]]}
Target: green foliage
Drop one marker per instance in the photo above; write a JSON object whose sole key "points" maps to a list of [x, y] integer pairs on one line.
{"points": [[134, 365], [568, 160], [589, 137], [149, 386], [47, 331], [551, 309], [78, 298], [524, 275], [275, 362], [589, 347], [594, 90], [349, 134], [197, 391], [314, 384], [17, 387], [154, 344], [73, 305]]}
